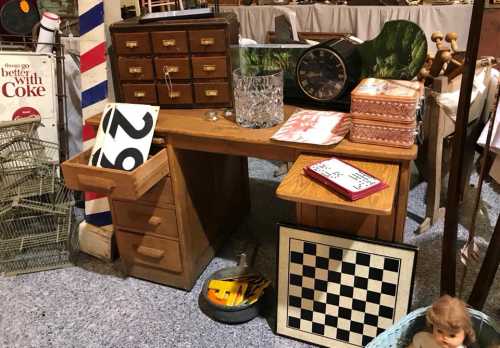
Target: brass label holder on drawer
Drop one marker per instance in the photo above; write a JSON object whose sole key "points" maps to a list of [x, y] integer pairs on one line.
{"points": [[168, 43], [174, 94], [135, 70], [131, 44], [211, 93], [170, 69], [209, 67], [139, 94], [207, 41]]}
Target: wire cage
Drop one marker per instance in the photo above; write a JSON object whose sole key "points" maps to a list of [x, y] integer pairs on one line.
{"points": [[37, 227], [37, 233]]}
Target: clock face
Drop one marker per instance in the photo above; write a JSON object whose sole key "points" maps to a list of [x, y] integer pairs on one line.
{"points": [[321, 74]]}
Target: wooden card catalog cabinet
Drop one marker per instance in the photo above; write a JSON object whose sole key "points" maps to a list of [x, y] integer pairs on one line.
{"points": [[176, 63]]}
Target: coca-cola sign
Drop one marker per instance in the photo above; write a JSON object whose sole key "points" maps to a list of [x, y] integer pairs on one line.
{"points": [[28, 88]]}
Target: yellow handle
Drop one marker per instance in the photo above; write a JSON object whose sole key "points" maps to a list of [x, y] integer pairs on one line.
{"points": [[131, 44], [175, 95], [150, 252], [207, 41], [211, 92], [135, 70], [139, 94], [208, 67], [168, 43], [171, 68]]}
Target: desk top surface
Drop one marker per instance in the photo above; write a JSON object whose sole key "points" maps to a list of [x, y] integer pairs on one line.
{"points": [[191, 123], [298, 187]]}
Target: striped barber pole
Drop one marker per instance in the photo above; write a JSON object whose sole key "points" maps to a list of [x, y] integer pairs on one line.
{"points": [[94, 92]]}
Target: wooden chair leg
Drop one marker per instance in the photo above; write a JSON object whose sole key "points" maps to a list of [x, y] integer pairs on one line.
{"points": [[487, 272]]}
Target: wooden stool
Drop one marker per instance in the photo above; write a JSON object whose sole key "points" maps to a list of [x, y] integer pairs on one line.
{"points": [[317, 206]]}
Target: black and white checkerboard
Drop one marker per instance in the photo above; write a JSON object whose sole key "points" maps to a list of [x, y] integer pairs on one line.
{"points": [[341, 294]]}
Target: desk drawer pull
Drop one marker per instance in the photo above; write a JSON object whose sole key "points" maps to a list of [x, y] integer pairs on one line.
{"points": [[207, 41], [174, 95], [209, 67], [96, 184], [139, 94], [135, 70], [150, 252], [154, 221], [168, 43], [170, 69], [131, 44], [211, 92]]}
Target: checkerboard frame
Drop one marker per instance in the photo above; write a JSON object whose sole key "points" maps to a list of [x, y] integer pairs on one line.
{"points": [[340, 290]]}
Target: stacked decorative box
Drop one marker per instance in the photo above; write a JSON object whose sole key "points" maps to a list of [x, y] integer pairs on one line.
{"points": [[384, 112]]}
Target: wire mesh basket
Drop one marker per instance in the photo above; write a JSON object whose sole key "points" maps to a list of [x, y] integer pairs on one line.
{"points": [[37, 227], [27, 181], [23, 127]]}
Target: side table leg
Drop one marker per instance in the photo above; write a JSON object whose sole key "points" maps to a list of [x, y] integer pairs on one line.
{"points": [[402, 200]]}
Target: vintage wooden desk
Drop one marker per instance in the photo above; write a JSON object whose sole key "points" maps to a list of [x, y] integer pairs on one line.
{"points": [[204, 194]]}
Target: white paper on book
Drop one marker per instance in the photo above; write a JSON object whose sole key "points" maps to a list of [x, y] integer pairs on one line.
{"points": [[314, 127], [344, 175]]}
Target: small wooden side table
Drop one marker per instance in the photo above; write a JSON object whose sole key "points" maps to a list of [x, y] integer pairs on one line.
{"points": [[317, 206]]}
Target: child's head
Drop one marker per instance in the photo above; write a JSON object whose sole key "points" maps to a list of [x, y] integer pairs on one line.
{"points": [[450, 322]]}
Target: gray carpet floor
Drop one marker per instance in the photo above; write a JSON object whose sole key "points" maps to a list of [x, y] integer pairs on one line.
{"points": [[93, 305]]}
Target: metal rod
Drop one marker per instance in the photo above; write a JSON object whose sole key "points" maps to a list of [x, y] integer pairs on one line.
{"points": [[449, 248]]}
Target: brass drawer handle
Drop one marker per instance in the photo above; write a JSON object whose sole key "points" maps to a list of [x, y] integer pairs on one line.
{"points": [[174, 95], [168, 43], [135, 70], [211, 92], [207, 41], [139, 94], [170, 68], [150, 252], [209, 67], [131, 44]]}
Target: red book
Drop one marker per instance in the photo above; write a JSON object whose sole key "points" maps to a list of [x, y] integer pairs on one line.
{"points": [[344, 178]]}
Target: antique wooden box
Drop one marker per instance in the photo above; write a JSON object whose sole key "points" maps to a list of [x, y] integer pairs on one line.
{"points": [[384, 112], [174, 63]]}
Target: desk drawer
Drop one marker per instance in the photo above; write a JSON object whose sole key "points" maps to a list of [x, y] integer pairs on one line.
{"points": [[118, 184], [211, 92], [132, 43], [169, 41], [161, 193], [145, 218], [180, 94], [209, 67], [133, 69], [139, 93], [201, 41], [177, 68], [149, 251]]}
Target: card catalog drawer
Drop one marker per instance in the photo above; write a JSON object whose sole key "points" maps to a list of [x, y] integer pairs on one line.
{"points": [[149, 251], [145, 218], [209, 67], [135, 68], [177, 68], [179, 94], [132, 43], [207, 40], [161, 193], [169, 42], [118, 184], [213, 92], [139, 93]]}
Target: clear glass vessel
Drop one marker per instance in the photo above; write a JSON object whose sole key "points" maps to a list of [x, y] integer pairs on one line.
{"points": [[258, 97]]}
